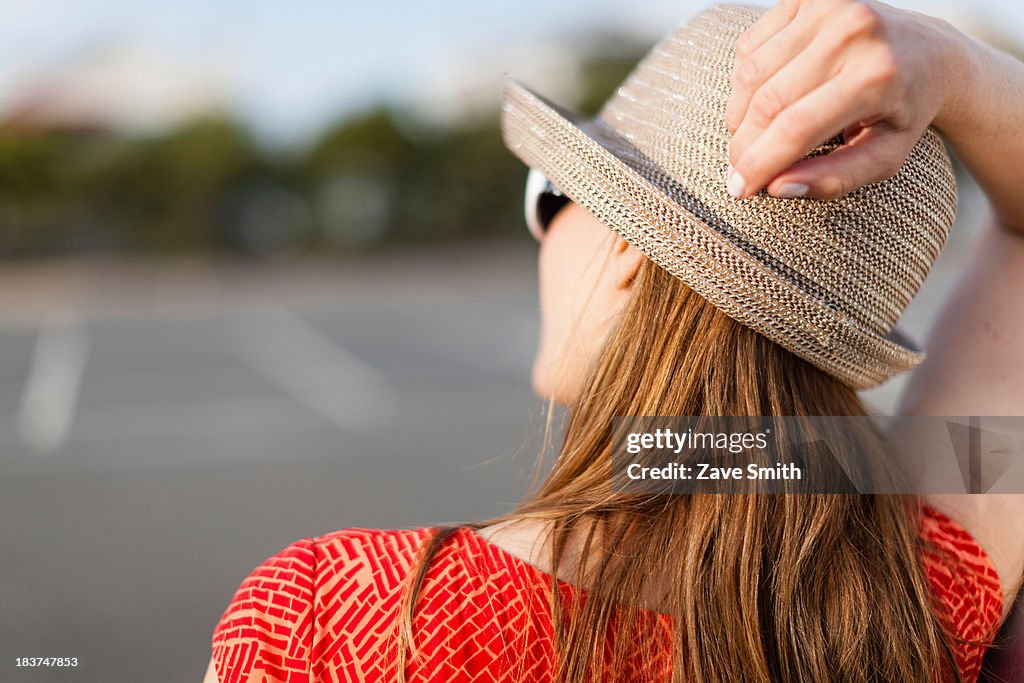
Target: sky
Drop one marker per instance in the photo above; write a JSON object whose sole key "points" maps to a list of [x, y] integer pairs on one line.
{"points": [[291, 68]]}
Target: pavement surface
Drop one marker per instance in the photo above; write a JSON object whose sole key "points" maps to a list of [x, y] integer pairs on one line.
{"points": [[164, 427]]}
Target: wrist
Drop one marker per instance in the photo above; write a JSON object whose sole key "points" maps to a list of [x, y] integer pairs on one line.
{"points": [[958, 64]]}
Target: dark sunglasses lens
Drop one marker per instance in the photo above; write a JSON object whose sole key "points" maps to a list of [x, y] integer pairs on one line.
{"points": [[547, 206]]}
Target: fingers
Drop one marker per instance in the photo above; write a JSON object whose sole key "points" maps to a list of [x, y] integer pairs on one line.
{"points": [[873, 156], [803, 125], [828, 67], [802, 74], [754, 68], [767, 25]]}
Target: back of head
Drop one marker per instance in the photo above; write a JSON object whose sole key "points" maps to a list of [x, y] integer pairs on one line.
{"points": [[766, 587]]}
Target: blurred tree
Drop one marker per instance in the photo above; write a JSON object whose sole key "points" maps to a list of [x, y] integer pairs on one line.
{"points": [[375, 183], [371, 138], [30, 175], [169, 190], [61, 191], [462, 183], [353, 172]]}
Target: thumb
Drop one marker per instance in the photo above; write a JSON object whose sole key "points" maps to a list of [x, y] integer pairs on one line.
{"points": [[875, 154]]}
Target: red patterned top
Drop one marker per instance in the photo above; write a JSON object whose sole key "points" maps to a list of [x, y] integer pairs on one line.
{"points": [[324, 608]]}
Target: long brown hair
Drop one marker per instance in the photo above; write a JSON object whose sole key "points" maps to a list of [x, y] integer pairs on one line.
{"points": [[822, 587]]}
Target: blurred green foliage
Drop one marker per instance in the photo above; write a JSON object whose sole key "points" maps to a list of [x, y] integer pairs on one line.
{"points": [[374, 178]]}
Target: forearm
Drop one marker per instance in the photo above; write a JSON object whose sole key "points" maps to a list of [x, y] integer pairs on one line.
{"points": [[983, 121]]}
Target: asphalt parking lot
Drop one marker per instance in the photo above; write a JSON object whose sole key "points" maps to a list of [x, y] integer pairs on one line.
{"points": [[165, 428]]}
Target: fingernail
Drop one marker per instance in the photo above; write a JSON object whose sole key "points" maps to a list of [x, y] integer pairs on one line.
{"points": [[792, 190], [735, 183]]}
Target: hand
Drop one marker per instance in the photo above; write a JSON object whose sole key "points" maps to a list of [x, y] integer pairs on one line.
{"points": [[807, 69]]}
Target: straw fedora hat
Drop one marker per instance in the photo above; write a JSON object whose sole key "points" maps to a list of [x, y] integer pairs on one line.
{"points": [[826, 279]]}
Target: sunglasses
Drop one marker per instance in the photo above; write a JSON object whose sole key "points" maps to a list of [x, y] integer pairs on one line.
{"points": [[543, 200]]}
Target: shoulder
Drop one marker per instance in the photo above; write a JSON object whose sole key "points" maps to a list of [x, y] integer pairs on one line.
{"points": [[964, 583], [368, 548], [266, 629], [991, 521], [293, 603]]}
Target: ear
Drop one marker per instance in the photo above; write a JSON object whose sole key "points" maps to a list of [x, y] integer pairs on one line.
{"points": [[626, 261]]}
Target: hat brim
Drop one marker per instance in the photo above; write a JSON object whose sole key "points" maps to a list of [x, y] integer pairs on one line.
{"points": [[604, 173]]}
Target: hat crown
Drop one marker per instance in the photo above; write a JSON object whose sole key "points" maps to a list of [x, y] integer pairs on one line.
{"points": [[864, 255]]}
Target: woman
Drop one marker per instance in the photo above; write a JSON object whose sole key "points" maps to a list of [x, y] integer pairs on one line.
{"points": [[585, 582]]}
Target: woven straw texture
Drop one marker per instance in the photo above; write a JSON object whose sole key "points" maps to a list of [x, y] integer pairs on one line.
{"points": [[825, 279]]}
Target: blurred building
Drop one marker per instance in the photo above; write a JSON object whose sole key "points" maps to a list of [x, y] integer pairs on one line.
{"points": [[115, 87]]}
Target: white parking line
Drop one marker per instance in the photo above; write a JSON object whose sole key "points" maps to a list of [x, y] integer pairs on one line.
{"points": [[315, 370], [47, 409]]}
